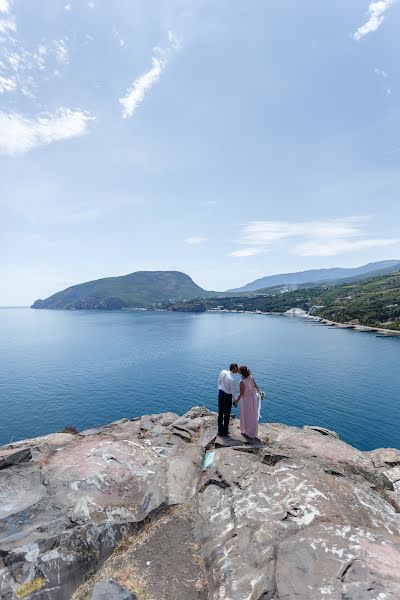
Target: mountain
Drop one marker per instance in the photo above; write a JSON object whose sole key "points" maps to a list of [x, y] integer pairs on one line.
{"points": [[139, 289], [321, 276]]}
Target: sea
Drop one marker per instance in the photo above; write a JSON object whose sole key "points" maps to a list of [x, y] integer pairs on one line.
{"points": [[88, 368]]}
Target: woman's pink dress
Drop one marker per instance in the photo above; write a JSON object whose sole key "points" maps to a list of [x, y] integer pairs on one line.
{"points": [[249, 408]]}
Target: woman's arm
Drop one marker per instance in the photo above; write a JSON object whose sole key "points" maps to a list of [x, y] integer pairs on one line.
{"points": [[241, 390], [256, 386]]}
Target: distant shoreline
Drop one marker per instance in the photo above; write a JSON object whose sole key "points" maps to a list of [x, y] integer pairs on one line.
{"points": [[316, 319], [379, 331]]}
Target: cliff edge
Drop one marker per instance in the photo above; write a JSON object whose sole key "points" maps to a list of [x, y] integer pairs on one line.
{"points": [[158, 507]]}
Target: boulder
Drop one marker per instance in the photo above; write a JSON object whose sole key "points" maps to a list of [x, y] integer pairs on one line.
{"points": [[13, 456], [109, 590]]}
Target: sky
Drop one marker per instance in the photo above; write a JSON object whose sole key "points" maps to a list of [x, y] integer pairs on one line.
{"points": [[228, 140]]}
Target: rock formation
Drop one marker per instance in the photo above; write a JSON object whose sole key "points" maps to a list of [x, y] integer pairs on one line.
{"points": [[167, 510]]}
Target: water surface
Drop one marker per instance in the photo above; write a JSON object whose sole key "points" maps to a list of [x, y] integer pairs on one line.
{"points": [[87, 368]]}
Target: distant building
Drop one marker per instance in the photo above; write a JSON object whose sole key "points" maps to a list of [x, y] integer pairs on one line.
{"points": [[296, 312], [314, 309]]}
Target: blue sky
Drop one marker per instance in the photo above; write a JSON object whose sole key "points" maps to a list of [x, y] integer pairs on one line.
{"points": [[228, 140]]}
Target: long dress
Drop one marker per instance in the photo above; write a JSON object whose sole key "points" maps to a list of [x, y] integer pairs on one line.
{"points": [[249, 408]]}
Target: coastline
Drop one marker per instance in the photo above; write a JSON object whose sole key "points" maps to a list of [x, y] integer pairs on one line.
{"points": [[380, 331]]}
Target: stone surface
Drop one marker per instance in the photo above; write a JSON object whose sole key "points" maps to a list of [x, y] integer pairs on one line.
{"points": [[383, 457], [296, 515], [109, 590]]}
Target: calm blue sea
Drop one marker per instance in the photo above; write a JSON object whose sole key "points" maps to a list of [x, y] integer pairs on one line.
{"points": [[61, 368]]}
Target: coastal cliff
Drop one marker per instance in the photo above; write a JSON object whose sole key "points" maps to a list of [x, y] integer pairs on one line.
{"points": [[158, 507]]}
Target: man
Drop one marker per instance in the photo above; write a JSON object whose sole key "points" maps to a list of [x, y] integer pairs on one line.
{"points": [[226, 393]]}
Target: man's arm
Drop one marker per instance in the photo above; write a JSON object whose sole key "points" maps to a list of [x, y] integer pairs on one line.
{"points": [[233, 388], [219, 379]]}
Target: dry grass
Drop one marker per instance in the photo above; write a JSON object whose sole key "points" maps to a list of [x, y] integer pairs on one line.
{"points": [[125, 565]]}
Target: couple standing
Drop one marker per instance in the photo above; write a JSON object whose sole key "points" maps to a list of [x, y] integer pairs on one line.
{"points": [[248, 398]]}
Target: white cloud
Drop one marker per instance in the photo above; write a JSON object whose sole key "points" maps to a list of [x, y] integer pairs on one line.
{"points": [[310, 238], [196, 240], [376, 16], [7, 26], [174, 41], [19, 134], [22, 67], [261, 233], [4, 6], [334, 247], [7, 84], [61, 50], [248, 252], [381, 73], [137, 91], [67, 7]]}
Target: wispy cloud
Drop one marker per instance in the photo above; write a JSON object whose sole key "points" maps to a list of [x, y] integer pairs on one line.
{"points": [[195, 240], [7, 21], [310, 238], [23, 67], [383, 75], [19, 134], [7, 84], [136, 92], [4, 6], [334, 247], [376, 16], [61, 50], [248, 252]]}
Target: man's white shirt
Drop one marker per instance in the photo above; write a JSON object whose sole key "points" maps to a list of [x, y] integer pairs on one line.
{"points": [[226, 383]]}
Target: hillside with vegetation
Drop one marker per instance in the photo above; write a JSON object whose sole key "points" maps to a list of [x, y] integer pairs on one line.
{"points": [[373, 302], [136, 290]]}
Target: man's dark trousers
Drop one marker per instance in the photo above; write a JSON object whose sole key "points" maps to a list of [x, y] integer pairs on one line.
{"points": [[224, 412]]}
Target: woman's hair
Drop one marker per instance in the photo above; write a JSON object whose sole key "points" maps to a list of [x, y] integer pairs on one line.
{"points": [[244, 371]]}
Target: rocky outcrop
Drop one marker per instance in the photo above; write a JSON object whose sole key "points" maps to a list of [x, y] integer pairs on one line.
{"points": [[297, 515]]}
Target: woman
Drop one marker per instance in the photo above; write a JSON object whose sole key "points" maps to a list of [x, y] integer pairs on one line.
{"points": [[249, 404]]}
